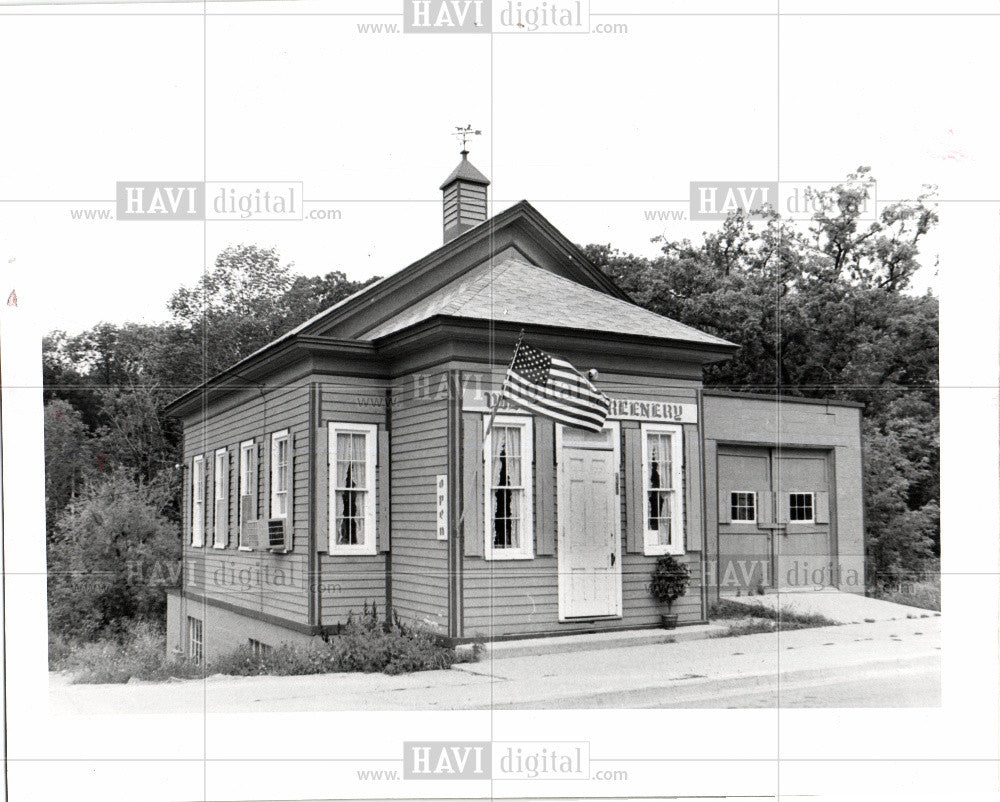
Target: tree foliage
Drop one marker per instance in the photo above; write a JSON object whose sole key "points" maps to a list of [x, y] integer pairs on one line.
{"points": [[113, 552], [823, 312], [113, 487]]}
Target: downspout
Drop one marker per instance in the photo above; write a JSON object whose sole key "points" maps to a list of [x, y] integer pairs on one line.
{"points": [[704, 508], [455, 627], [314, 600], [388, 517]]}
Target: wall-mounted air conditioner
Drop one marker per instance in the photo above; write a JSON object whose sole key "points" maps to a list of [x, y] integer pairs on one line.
{"points": [[279, 535]]}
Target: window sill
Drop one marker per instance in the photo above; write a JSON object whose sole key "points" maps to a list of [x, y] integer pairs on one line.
{"points": [[500, 556], [660, 551], [244, 548], [352, 551], [219, 546]]}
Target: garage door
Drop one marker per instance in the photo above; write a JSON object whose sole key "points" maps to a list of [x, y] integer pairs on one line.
{"points": [[774, 519]]}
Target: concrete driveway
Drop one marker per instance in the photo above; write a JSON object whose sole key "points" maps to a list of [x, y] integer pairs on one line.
{"points": [[844, 608], [778, 668]]}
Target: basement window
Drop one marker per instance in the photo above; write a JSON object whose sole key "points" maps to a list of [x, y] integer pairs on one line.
{"points": [[508, 459], [352, 465], [195, 640], [259, 651]]}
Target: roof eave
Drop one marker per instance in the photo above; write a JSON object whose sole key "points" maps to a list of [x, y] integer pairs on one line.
{"points": [[263, 362], [440, 327]]}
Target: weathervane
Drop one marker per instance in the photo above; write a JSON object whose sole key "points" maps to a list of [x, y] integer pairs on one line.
{"points": [[465, 133]]}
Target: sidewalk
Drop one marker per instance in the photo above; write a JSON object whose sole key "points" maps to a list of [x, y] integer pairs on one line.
{"points": [[657, 674]]}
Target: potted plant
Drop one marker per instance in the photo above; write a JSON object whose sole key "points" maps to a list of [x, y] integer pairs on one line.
{"points": [[670, 582]]}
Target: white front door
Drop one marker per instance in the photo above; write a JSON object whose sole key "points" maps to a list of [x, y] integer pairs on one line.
{"points": [[589, 509]]}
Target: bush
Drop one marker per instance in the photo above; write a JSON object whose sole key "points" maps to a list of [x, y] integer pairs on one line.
{"points": [[139, 653], [281, 661], [111, 556], [670, 580], [365, 643]]}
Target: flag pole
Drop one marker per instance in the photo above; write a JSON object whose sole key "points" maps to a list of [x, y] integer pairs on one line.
{"points": [[496, 406]]}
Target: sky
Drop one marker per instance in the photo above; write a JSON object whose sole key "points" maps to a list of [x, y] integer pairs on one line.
{"points": [[596, 130]]}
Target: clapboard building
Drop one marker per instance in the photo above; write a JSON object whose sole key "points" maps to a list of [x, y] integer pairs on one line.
{"points": [[345, 464]]}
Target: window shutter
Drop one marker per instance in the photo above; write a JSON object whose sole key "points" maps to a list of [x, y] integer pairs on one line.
{"points": [[692, 508], [265, 475], [221, 532], [209, 538], [324, 484], [254, 489], [291, 489], [635, 530], [382, 489], [545, 479], [822, 511], [782, 508], [472, 487], [765, 501], [187, 497], [206, 507], [725, 506]]}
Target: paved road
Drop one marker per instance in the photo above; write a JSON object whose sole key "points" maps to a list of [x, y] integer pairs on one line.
{"points": [[887, 663], [916, 685]]}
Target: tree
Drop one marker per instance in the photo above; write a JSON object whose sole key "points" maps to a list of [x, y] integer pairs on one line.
{"points": [[68, 458], [823, 312], [113, 552]]}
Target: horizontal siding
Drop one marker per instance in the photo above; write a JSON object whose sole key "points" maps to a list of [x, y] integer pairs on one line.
{"points": [[507, 598], [522, 597], [255, 580], [347, 583], [419, 452]]}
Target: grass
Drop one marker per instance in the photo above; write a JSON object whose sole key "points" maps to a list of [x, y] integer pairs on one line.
{"points": [[922, 591], [752, 619], [364, 644]]}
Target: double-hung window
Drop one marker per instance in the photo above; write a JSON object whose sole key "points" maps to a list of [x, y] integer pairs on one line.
{"points": [[352, 460], [662, 479], [280, 474], [508, 483], [221, 497], [198, 501]]}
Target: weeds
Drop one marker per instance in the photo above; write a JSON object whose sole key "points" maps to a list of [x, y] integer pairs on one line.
{"points": [[364, 643], [752, 619]]}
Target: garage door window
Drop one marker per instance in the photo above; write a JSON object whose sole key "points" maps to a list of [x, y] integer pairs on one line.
{"points": [[800, 508], [743, 506]]}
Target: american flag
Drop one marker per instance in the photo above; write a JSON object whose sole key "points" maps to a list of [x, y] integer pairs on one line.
{"points": [[551, 386]]}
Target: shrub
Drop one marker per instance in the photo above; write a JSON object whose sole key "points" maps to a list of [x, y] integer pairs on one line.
{"points": [[111, 555], [281, 661], [670, 580], [365, 643], [139, 653]]}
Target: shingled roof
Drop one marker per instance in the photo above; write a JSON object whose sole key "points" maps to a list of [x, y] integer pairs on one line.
{"points": [[515, 291]]}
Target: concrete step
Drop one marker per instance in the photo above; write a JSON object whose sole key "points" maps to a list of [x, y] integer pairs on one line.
{"points": [[594, 641]]}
